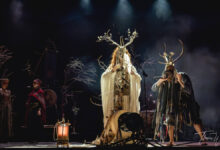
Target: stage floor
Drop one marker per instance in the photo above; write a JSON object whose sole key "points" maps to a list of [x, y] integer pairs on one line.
{"points": [[73, 145], [42, 145]]}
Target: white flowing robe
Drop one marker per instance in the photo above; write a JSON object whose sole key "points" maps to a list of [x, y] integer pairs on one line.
{"points": [[107, 91]]}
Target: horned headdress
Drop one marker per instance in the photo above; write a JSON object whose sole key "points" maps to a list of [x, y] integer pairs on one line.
{"points": [[121, 48], [108, 37], [168, 57]]}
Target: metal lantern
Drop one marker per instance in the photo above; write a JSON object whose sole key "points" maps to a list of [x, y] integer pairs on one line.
{"points": [[62, 131]]}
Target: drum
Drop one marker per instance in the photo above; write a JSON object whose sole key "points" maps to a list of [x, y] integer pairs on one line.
{"points": [[50, 97], [120, 126]]}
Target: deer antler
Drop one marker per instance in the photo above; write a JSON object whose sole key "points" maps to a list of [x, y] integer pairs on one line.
{"points": [[162, 62], [165, 46], [164, 56], [131, 37], [182, 51], [107, 37]]}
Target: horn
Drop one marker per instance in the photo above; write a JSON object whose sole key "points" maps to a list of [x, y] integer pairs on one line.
{"points": [[161, 55], [131, 38], [108, 38], [182, 51], [162, 62], [165, 47], [164, 53], [164, 57], [121, 41]]}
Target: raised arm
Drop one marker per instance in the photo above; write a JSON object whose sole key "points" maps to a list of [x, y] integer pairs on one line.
{"points": [[156, 85]]}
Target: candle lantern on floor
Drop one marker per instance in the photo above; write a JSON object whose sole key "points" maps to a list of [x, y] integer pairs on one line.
{"points": [[62, 132]]}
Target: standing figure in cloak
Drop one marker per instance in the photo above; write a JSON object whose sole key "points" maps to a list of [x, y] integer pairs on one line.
{"points": [[35, 115], [120, 83], [175, 102], [5, 111]]}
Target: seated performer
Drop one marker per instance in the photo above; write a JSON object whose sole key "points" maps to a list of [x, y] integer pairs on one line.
{"points": [[5, 111], [120, 83], [35, 115], [175, 102]]}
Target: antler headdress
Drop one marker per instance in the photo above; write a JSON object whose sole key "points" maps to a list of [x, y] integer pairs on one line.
{"points": [[108, 37], [168, 57]]}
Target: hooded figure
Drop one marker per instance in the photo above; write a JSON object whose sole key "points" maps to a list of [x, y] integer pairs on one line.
{"points": [[120, 83], [175, 101], [120, 90], [120, 87]]}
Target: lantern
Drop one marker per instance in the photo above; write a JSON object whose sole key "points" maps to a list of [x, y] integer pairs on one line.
{"points": [[62, 131]]}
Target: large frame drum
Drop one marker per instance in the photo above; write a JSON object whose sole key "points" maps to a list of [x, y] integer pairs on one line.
{"points": [[118, 127]]}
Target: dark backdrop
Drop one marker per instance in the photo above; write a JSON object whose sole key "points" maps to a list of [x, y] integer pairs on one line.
{"points": [[26, 26]]}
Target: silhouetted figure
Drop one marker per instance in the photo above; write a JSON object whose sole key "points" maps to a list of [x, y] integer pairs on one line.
{"points": [[35, 112], [5, 111]]}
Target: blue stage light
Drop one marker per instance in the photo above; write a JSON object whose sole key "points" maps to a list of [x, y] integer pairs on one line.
{"points": [[123, 14], [86, 6], [16, 8], [162, 9]]}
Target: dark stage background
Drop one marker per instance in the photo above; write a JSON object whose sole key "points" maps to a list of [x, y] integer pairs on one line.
{"points": [[27, 26]]}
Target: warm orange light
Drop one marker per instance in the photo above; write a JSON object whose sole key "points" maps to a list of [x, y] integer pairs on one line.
{"points": [[61, 129], [63, 132]]}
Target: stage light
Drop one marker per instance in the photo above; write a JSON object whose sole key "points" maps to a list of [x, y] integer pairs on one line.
{"points": [[16, 8], [123, 13], [86, 6], [162, 9]]}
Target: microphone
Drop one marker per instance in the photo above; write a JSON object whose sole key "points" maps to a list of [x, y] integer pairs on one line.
{"points": [[145, 74], [158, 77]]}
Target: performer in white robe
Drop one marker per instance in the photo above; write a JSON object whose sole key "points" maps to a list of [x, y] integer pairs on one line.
{"points": [[120, 90], [114, 97]]}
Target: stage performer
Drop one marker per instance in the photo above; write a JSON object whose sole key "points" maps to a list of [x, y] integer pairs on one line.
{"points": [[120, 83], [175, 102], [35, 115], [5, 111]]}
